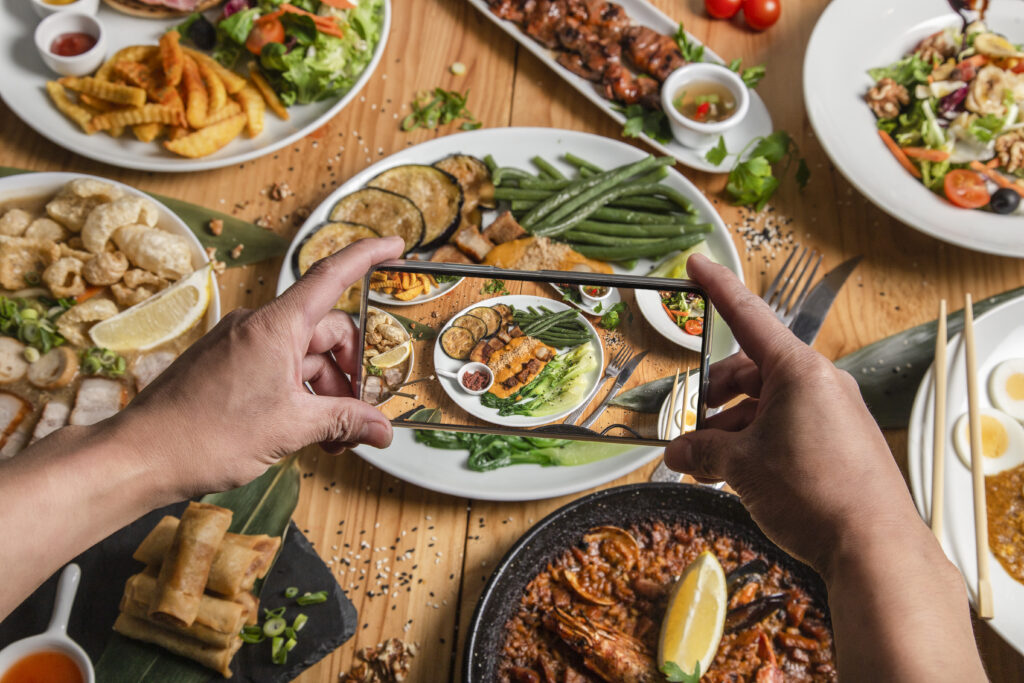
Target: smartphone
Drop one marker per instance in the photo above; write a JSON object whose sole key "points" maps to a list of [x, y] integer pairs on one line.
{"points": [[531, 353]]}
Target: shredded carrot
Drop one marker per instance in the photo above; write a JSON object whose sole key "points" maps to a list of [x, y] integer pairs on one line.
{"points": [[900, 155], [996, 177], [673, 314], [993, 163], [976, 61], [326, 25], [925, 154], [88, 294]]}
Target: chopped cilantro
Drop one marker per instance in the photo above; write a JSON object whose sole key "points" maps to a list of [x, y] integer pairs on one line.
{"points": [[716, 155], [438, 108]]}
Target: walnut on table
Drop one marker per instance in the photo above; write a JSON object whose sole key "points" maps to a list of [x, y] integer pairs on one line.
{"points": [[388, 662], [1010, 150], [886, 97]]}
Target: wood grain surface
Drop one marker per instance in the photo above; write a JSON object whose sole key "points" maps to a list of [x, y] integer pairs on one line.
{"points": [[414, 561]]}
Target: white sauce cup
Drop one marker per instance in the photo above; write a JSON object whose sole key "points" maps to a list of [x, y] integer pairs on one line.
{"points": [[702, 134], [55, 25]]}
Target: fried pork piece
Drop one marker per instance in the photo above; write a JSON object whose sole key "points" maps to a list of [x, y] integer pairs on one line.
{"points": [[77, 199], [472, 243], [14, 222], [97, 400], [157, 251], [449, 253], [55, 415], [21, 257], [652, 52], [621, 85], [505, 228], [13, 411], [148, 367], [17, 441]]}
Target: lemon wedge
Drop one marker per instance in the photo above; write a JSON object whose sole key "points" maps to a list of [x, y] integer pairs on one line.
{"points": [[390, 359], [695, 619], [158, 319], [995, 45]]}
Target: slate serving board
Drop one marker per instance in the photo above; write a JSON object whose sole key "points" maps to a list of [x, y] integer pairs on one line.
{"points": [[107, 565]]}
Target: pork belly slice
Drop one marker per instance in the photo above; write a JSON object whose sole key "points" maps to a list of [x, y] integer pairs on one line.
{"points": [[17, 441], [505, 228], [449, 253], [13, 411], [472, 243], [147, 368], [97, 400], [55, 415]]}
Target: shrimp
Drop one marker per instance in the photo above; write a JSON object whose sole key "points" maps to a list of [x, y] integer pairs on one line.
{"points": [[614, 656], [73, 323]]}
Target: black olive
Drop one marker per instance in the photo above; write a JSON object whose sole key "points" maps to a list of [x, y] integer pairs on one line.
{"points": [[1004, 200], [202, 33]]}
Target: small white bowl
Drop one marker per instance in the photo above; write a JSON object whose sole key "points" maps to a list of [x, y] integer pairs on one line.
{"points": [[55, 637], [592, 301], [45, 9], [473, 367], [55, 25], [696, 134]]}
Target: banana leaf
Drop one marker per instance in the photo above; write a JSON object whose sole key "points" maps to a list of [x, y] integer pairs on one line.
{"points": [[260, 243], [263, 506], [887, 371], [418, 331]]}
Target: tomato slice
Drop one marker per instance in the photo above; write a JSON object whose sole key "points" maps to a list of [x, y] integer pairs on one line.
{"points": [[966, 189], [266, 29], [694, 326]]}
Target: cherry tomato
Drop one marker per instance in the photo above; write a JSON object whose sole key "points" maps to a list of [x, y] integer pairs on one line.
{"points": [[722, 9], [267, 29], [760, 14], [694, 326], [966, 189]]}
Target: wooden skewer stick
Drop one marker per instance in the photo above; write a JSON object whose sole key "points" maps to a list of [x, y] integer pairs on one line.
{"points": [[939, 434], [984, 602], [671, 417]]}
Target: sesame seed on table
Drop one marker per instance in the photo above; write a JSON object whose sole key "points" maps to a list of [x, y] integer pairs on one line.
{"points": [[413, 561]]}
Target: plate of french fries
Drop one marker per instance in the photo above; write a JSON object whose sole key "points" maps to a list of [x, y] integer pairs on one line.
{"points": [[155, 104], [406, 289]]}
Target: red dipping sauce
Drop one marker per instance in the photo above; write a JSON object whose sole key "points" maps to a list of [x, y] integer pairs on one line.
{"points": [[476, 380], [72, 44]]}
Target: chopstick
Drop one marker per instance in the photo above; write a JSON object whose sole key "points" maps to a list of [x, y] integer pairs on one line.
{"points": [[939, 433], [686, 400], [984, 602], [667, 432]]}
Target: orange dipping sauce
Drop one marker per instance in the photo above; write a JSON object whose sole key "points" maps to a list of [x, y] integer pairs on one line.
{"points": [[48, 666]]}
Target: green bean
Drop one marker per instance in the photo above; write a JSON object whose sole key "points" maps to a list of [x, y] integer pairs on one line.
{"points": [[547, 169], [587, 188], [676, 196], [519, 193], [630, 216], [522, 205], [604, 253], [655, 203], [545, 184], [606, 240], [491, 164], [562, 220], [642, 229], [582, 164], [654, 176]]}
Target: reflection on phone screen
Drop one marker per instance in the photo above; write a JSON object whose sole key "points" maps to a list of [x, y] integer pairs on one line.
{"points": [[508, 354]]}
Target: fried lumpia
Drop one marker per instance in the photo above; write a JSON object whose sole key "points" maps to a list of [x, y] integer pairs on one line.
{"points": [[216, 614], [251, 603], [186, 567], [239, 561], [216, 658]]}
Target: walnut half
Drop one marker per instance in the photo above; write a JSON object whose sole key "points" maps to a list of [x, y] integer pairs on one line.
{"points": [[1010, 149], [886, 98]]}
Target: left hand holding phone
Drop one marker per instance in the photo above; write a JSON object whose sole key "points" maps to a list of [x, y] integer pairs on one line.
{"points": [[236, 401]]}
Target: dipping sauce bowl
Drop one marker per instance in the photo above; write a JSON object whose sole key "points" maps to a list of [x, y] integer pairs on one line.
{"points": [[45, 9], [702, 134], [55, 31]]}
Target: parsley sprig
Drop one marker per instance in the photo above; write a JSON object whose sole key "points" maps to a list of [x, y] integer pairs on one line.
{"points": [[437, 108], [752, 180], [675, 674]]}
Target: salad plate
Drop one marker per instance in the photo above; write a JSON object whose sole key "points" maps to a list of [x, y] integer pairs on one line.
{"points": [[22, 88], [472, 404], [1000, 336], [653, 310], [854, 36]]}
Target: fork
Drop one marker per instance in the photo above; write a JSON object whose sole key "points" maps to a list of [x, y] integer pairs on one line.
{"points": [[780, 293], [615, 365]]}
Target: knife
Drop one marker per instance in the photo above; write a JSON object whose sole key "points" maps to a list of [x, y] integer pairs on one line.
{"points": [[816, 306], [620, 380]]}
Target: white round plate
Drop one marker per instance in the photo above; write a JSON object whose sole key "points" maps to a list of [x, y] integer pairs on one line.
{"points": [[614, 297], [389, 300], [853, 36], [48, 184], [472, 405], [668, 409], [22, 88], [649, 303], [1000, 335], [446, 471]]}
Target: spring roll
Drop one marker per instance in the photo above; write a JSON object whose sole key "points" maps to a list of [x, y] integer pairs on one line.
{"points": [[239, 561], [216, 658], [217, 614], [196, 631], [186, 567], [251, 603]]}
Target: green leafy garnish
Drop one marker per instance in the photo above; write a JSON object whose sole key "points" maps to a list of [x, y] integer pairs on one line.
{"points": [[98, 361], [803, 173], [374, 370], [716, 155], [692, 52], [751, 76], [438, 108], [643, 121], [494, 287], [441, 279], [489, 452], [908, 71], [312, 598], [675, 674], [611, 319], [752, 181], [984, 128], [33, 322]]}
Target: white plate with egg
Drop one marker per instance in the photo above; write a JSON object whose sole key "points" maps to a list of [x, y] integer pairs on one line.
{"points": [[1000, 353]]}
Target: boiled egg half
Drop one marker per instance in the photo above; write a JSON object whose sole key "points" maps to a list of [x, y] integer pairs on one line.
{"points": [[1006, 387], [1002, 441]]}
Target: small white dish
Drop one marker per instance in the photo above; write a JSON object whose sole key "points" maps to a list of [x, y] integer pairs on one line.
{"points": [[56, 25], [45, 9], [699, 134], [55, 637], [590, 300], [465, 370]]}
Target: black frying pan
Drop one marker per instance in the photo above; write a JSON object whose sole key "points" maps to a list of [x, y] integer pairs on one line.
{"points": [[620, 506]]}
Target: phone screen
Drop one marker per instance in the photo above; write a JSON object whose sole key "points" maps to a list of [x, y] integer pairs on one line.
{"points": [[565, 355]]}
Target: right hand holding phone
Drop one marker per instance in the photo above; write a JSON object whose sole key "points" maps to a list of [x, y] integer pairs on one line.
{"points": [[801, 449]]}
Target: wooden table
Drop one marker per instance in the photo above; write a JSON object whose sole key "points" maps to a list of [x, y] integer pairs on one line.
{"points": [[353, 511]]}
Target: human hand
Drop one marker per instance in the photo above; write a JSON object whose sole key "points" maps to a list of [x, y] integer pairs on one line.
{"points": [[802, 450], [235, 401]]}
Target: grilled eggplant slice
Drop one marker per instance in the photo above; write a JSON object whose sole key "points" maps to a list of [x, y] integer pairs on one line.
{"points": [[331, 238], [437, 195], [386, 212], [472, 323], [489, 316], [505, 312], [474, 178], [457, 342]]}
